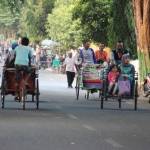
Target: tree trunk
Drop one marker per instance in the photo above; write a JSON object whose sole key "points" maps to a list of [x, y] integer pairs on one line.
{"points": [[142, 25]]}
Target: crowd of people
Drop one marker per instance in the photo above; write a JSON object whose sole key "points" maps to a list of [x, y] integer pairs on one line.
{"points": [[120, 70], [117, 63]]}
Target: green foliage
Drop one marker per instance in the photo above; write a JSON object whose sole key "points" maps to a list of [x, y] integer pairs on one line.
{"points": [[71, 21], [61, 27], [122, 25], [14, 5], [8, 22], [34, 15], [94, 17]]}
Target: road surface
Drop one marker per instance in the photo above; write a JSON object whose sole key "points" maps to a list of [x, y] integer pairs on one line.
{"points": [[63, 123]]}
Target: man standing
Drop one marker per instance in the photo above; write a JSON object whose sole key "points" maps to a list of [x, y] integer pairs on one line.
{"points": [[70, 69]]}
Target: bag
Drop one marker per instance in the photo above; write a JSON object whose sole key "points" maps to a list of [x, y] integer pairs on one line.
{"points": [[124, 87]]}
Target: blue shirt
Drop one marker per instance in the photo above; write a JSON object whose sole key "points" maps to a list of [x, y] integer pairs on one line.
{"points": [[22, 55]]}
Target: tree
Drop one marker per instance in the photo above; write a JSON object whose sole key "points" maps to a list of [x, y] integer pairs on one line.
{"points": [[94, 18], [122, 24], [34, 16], [142, 24], [9, 22], [14, 5], [62, 28]]}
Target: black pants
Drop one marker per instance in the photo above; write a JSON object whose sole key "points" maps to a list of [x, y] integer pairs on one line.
{"points": [[70, 77]]}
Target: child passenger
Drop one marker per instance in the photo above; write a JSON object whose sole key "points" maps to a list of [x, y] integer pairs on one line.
{"points": [[112, 79]]}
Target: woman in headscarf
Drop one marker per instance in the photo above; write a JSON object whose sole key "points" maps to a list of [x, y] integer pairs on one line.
{"points": [[127, 70], [126, 79]]}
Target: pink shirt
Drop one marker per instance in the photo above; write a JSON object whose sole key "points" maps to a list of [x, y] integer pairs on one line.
{"points": [[112, 76]]}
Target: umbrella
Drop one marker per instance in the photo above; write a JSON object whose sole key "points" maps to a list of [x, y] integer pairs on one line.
{"points": [[48, 42]]}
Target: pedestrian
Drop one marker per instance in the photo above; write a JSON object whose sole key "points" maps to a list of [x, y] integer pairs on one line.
{"points": [[56, 64], [69, 63]]}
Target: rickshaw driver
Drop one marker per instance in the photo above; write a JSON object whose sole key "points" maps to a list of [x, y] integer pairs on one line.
{"points": [[23, 55], [87, 54]]}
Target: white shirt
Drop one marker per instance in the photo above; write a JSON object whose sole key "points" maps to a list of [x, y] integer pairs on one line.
{"points": [[70, 64]]}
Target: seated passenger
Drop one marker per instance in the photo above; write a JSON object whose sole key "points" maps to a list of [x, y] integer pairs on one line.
{"points": [[116, 56], [101, 55], [126, 77], [10, 58], [112, 79]]}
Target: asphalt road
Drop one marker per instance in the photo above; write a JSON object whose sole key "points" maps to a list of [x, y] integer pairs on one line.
{"points": [[63, 123]]}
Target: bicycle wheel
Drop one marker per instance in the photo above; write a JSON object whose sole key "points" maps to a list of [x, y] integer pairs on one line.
{"points": [[135, 95], [77, 87], [32, 98], [3, 88], [23, 97], [87, 94], [37, 94]]}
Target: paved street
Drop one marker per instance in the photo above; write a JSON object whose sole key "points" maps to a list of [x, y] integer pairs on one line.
{"points": [[63, 123]]}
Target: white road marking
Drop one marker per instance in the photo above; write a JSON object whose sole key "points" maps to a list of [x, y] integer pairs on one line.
{"points": [[72, 116], [88, 127], [113, 143]]}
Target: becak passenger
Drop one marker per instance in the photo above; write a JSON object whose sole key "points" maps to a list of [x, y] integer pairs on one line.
{"points": [[126, 78], [112, 80]]}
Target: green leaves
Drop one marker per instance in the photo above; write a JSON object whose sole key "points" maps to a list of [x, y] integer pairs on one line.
{"points": [[34, 18], [61, 27], [94, 16], [71, 21]]}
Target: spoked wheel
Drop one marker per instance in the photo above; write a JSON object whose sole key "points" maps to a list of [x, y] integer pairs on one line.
{"points": [[100, 93], [37, 94], [102, 102], [3, 94], [77, 88], [23, 97], [3, 100], [135, 95], [32, 98], [87, 95], [119, 100]]}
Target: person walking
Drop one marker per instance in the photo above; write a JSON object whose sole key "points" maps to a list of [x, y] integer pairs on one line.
{"points": [[69, 63]]}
